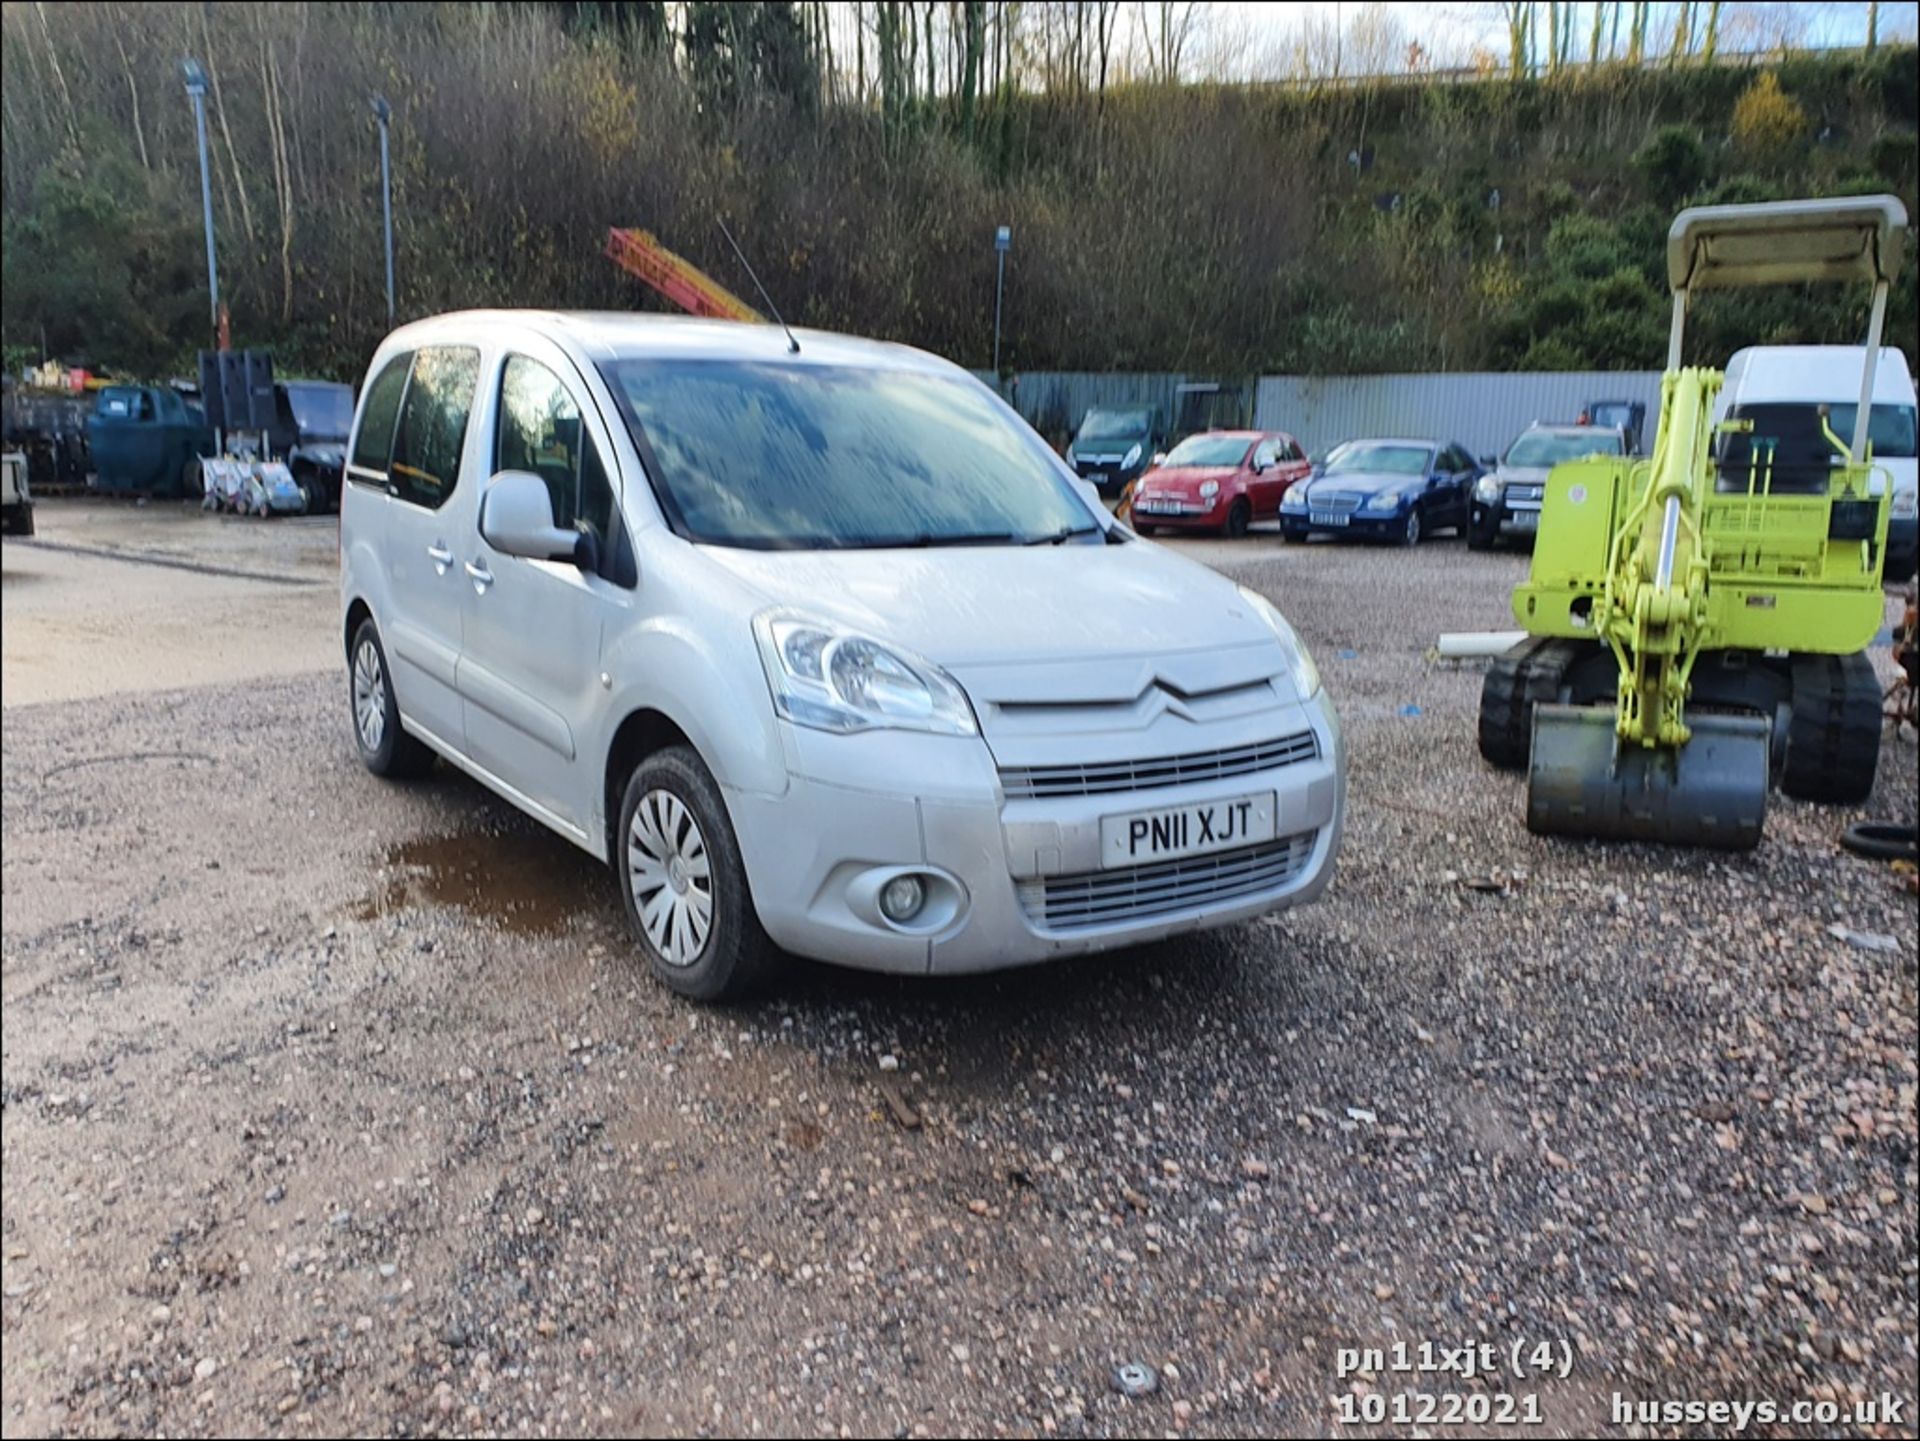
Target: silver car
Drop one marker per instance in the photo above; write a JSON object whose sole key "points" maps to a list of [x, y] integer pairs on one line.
{"points": [[818, 646]]}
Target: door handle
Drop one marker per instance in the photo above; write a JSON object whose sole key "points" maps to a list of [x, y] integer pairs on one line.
{"points": [[441, 558], [480, 576]]}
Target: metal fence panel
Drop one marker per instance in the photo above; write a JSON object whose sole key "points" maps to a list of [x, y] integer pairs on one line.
{"points": [[1483, 411], [1054, 402]]}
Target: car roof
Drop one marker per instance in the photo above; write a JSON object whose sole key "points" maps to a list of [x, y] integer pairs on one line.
{"points": [[1393, 440], [1573, 429], [624, 335]]}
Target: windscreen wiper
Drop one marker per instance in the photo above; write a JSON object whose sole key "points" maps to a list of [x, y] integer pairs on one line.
{"points": [[926, 539], [1061, 537]]}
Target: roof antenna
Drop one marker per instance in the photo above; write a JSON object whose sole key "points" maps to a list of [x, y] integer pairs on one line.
{"points": [[793, 346]]}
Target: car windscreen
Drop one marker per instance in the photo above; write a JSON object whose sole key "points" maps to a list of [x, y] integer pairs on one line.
{"points": [[1208, 450], [323, 412], [800, 456], [1545, 448], [1890, 428], [1378, 456], [1114, 425]]}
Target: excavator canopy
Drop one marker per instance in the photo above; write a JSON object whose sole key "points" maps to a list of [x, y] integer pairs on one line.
{"points": [[1785, 242]]}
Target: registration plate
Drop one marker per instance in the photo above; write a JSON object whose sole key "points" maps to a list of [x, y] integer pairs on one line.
{"points": [[1190, 830], [1159, 507], [1330, 517]]}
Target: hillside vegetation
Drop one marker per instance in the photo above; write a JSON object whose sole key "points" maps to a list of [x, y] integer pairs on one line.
{"points": [[1500, 223]]}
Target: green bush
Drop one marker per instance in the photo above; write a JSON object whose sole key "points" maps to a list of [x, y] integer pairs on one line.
{"points": [[1673, 163], [1895, 156], [1584, 246]]}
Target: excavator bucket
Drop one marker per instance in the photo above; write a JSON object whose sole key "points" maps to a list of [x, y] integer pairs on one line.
{"points": [[1710, 792]]}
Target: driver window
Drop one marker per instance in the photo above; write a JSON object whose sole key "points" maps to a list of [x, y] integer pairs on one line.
{"points": [[1266, 453], [541, 432]]}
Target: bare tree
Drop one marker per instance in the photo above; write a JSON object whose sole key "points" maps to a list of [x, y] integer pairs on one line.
{"points": [[1168, 27]]}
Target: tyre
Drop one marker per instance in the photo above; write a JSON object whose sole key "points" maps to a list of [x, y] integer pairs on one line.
{"points": [[683, 883], [1239, 517], [1536, 670], [1833, 731], [1289, 536], [191, 484], [1145, 531], [385, 747], [1479, 538], [1410, 532], [313, 492]]}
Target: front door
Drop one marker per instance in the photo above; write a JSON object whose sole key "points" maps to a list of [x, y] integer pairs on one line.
{"points": [[430, 504], [530, 670]]}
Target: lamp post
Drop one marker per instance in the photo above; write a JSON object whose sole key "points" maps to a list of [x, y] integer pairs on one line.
{"points": [[384, 113], [195, 76], [1002, 243]]}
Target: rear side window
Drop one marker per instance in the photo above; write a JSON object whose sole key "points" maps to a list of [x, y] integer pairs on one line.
{"points": [[433, 425], [373, 446]]}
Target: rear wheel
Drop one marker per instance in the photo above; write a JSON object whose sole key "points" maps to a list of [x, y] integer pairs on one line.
{"points": [[385, 747], [1833, 731], [191, 484], [1239, 517], [683, 882]]}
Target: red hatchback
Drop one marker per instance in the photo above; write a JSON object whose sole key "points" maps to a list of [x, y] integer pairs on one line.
{"points": [[1220, 480]]}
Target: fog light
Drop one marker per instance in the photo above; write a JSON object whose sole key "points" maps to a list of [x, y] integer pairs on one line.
{"points": [[902, 897]]}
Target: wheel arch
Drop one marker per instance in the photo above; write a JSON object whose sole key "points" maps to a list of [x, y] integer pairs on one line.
{"points": [[643, 732], [358, 612]]}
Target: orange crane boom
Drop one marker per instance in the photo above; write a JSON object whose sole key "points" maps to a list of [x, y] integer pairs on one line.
{"points": [[639, 254]]}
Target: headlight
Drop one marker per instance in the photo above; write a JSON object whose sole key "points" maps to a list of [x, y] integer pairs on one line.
{"points": [[1295, 498], [1386, 500], [837, 680], [1132, 455], [1209, 489], [1300, 667], [1487, 488], [1905, 503]]}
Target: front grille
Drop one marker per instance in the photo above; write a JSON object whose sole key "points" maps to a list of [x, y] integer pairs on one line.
{"points": [[1333, 500], [1526, 492], [1101, 778], [1101, 898]]}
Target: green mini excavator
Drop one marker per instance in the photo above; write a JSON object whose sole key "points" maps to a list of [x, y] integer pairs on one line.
{"points": [[1698, 622]]}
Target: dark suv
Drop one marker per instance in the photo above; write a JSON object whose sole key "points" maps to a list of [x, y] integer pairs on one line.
{"points": [[1507, 502]]}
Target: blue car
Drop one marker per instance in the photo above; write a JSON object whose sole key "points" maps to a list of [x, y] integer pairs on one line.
{"points": [[1392, 490]]}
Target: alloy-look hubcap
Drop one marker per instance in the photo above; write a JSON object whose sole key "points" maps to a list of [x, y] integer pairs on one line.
{"points": [[369, 696], [668, 871]]}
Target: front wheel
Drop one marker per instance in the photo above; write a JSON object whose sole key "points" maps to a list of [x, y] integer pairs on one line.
{"points": [[1410, 532], [1481, 539], [684, 884], [1239, 517]]}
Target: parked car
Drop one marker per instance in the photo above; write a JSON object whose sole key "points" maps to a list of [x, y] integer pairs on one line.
{"points": [[1398, 490], [1223, 480], [312, 418], [148, 438], [16, 495], [1112, 447], [1507, 502], [1782, 389], [784, 674]]}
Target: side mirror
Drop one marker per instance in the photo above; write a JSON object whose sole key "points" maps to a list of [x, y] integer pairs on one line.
{"points": [[1089, 492], [1489, 462], [516, 518]]}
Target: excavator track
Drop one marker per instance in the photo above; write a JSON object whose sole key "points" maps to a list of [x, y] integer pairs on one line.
{"points": [[1833, 733], [1531, 673]]}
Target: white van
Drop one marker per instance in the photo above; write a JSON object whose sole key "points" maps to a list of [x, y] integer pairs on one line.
{"points": [[1829, 375], [817, 646]]}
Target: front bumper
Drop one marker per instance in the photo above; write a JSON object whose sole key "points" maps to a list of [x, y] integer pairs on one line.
{"points": [[1109, 480], [1519, 522], [1196, 514], [1363, 523], [858, 808]]}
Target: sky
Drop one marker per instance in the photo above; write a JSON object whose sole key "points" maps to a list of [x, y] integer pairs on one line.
{"points": [[1249, 38]]}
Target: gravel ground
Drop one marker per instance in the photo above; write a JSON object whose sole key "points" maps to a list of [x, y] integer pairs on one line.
{"points": [[332, 1106]]}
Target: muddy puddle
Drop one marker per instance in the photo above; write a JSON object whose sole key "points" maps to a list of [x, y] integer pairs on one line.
{"points": [[527, 885]]}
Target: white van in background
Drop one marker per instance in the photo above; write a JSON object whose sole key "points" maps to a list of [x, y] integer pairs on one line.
{"points": [[1829, 375]]}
